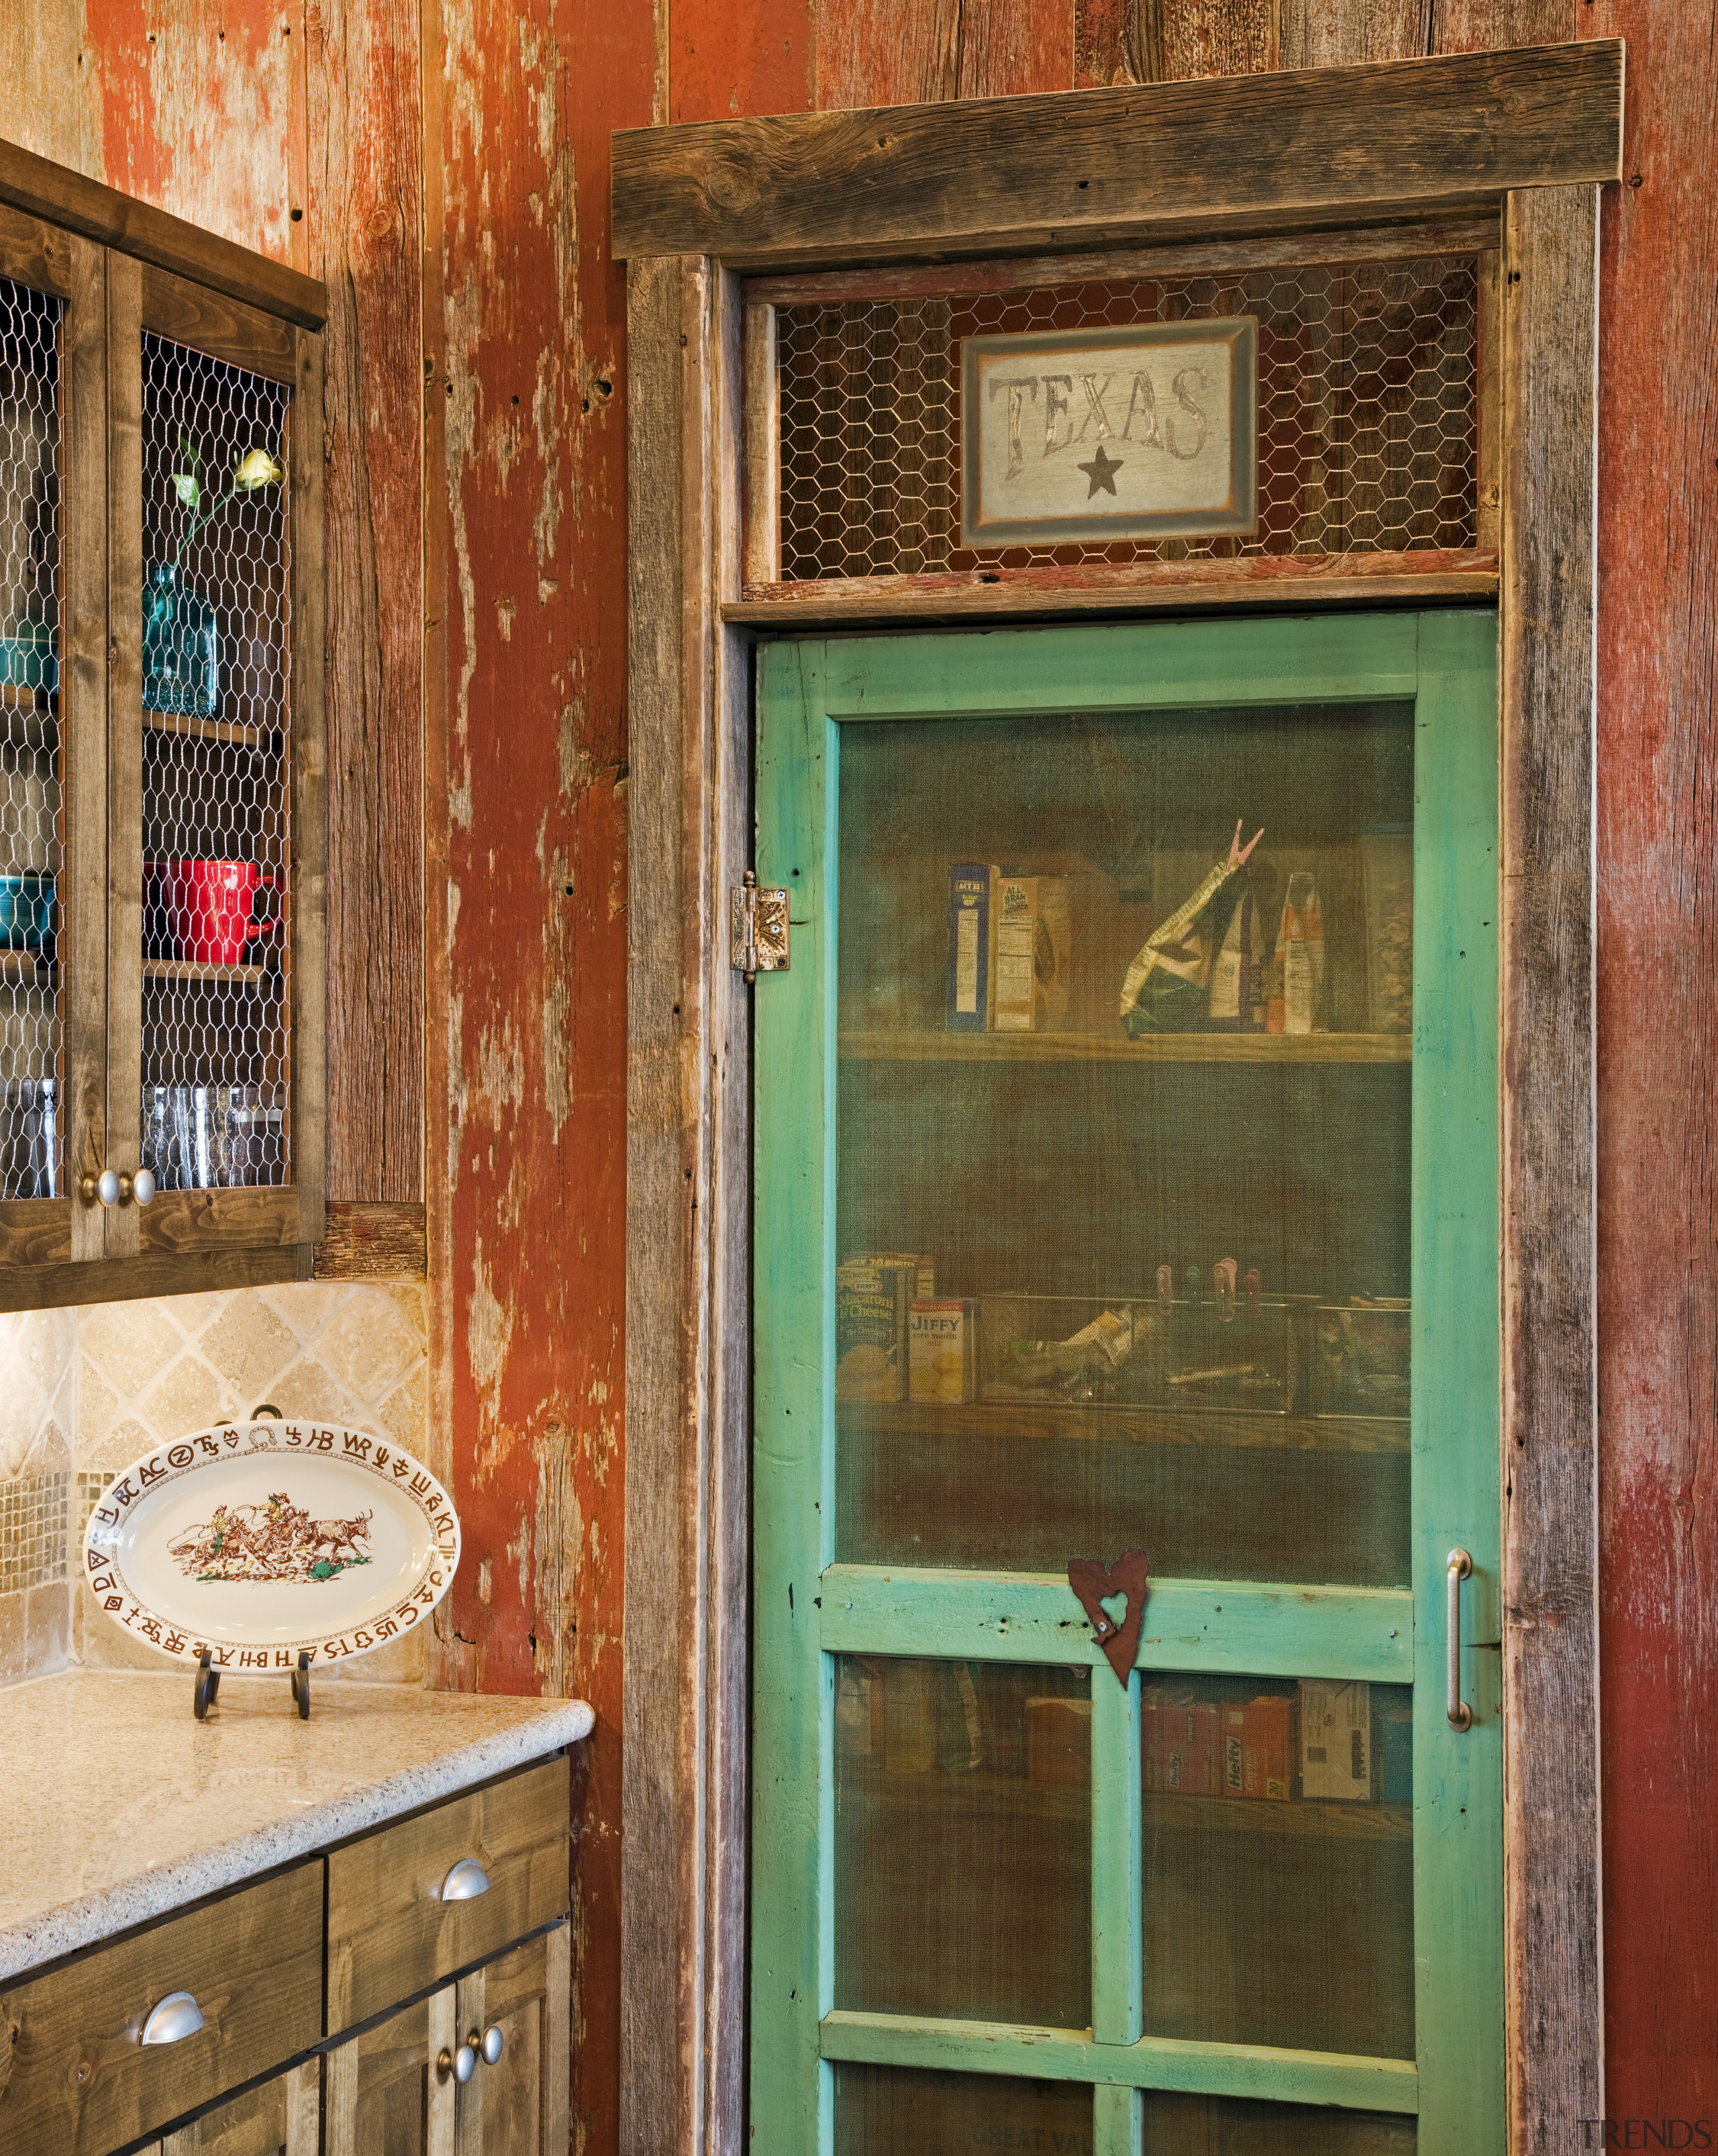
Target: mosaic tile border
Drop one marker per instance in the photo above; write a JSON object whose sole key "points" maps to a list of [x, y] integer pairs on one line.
{"points": [[34, 1517]]}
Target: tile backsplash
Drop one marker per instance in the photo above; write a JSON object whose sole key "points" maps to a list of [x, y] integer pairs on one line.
{"points": [[83, 1391]]}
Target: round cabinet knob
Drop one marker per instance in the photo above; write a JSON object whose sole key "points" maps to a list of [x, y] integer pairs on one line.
{"points": [[143, 1186], [107, 1188], [462, 2064], [494, 2044]]}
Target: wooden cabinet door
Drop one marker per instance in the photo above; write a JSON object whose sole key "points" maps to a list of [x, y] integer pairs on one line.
{"points": [[283, 2118], [1158, 1215], [388, 2093], [517, 2104], [162, 785]]}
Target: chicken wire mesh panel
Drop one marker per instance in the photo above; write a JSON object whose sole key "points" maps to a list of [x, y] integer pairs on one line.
{"points": [[215, 1110], [1368, 415], [30, 807]]}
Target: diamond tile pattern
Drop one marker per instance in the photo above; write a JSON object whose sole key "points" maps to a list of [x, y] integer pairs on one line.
{"points": [[144, 1373], [1368, 415], [148, 1372]]}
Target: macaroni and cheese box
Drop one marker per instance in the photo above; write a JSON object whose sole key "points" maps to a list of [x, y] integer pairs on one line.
{"points": [[943, 1351], [872, 1300], [923, 1263]]}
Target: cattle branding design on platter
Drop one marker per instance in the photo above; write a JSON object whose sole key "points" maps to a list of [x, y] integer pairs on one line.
{"points": [[262, 1540]]}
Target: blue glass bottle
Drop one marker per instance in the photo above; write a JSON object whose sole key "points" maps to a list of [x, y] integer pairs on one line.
{"points": [[182, 647]]}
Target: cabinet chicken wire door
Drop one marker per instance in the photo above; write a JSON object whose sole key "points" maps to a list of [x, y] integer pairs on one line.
{"points": [[213, 1097], [1125, 1181], [32, 836]]}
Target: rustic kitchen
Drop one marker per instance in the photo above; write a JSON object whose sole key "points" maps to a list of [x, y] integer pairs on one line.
{"points": [[856, 1282]]}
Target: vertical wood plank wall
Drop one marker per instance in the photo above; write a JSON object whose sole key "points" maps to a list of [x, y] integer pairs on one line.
{"points": [[447, 165]]}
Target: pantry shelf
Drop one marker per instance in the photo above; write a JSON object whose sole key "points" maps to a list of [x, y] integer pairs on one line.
{"points": [[1100, 1423], [1174, 1812], [20, 696], [25, 966], [904, 1047], [227, 733], [194, 972], [979, 1793]]}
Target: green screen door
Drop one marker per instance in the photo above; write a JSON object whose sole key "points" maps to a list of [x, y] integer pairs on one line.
{"points": [[1125, 1434]]}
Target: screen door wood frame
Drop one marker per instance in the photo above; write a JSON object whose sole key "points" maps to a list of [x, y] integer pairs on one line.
{"points": [[693, 206], [809, 704]]}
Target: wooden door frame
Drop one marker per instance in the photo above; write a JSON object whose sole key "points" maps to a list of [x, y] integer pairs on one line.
{"points": [[1527, 136]]}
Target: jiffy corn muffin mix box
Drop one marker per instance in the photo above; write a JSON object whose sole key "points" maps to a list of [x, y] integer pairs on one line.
{"points": [[943, 1351]]}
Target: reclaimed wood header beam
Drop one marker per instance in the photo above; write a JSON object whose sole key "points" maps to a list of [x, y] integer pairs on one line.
{"points": [[42, 189], [1086, 167]]}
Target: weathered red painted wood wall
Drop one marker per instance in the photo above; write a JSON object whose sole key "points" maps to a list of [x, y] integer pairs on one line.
{"points": [[527, 1126], [449, 177]]}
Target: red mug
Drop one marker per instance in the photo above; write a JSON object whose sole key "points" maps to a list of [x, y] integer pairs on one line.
{"points": [[208, 906]]}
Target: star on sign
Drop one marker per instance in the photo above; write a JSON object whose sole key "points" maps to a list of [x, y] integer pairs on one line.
{"points": [[1102, 472]]}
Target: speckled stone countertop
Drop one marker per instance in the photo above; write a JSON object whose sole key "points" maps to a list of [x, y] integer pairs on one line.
{"points": [[122, 1806]]}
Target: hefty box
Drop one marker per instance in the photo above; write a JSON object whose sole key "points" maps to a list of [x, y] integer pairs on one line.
{"points": [[872, 1301], [1183, 1746], [1059, 1742], [943, 1351], [1259, 1746], [1032, 944], [1336, 1739], [969, 947]]}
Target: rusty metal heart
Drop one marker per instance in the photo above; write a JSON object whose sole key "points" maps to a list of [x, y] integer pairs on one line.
{"points": [[1093, 1585]]}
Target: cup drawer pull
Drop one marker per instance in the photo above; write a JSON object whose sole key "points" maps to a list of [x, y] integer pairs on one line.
{"points": [[466, 1880], [175, 2018]]}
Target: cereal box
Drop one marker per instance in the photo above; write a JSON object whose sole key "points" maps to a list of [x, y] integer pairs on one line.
{"points": [[969, 976], [1031, 931]]}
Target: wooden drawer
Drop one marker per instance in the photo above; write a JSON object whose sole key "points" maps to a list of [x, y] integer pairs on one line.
{"points": [[75, 2078], [390, 1933]]}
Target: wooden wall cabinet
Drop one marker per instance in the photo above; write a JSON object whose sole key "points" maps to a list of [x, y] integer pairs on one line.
{"points": [[162, 814]]}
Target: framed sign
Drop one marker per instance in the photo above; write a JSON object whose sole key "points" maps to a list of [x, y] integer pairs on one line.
{"points": [[1100, 434]]}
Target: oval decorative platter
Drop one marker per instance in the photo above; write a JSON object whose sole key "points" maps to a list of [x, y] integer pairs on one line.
{"points": [[261, 1541]]}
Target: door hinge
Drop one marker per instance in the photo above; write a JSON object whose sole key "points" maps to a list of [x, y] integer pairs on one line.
{"points": [[757, 929]]}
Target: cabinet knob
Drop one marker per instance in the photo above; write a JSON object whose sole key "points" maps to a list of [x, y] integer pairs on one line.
{"points": [[172, 2020], [462, 2064], [466, 1880], [494, 2044], [113, 1188]]}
